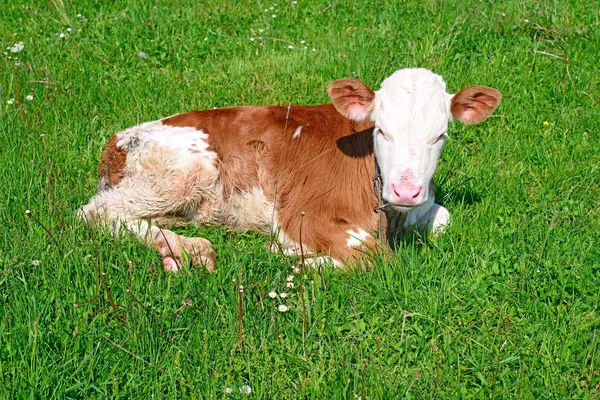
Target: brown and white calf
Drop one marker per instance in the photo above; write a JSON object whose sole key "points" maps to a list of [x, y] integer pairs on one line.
{"points": [[303, 172]]}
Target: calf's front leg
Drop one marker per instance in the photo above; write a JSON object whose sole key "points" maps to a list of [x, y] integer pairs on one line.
{"points": [[432, 219]]}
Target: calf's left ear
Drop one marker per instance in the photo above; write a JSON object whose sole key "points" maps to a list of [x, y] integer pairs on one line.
{"points": [[474, 104], [352, 98]]}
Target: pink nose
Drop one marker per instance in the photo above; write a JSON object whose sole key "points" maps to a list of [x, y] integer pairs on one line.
{"points": [[406, 194]]}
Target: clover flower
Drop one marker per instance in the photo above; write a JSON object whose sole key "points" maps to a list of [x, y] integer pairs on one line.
{"points": [[16, 48], [246, 390]]}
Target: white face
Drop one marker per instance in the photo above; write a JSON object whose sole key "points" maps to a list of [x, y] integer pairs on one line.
{"points": [[411, 114]]}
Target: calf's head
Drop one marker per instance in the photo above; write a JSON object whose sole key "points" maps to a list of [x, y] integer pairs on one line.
{"points": [[411, 113]]}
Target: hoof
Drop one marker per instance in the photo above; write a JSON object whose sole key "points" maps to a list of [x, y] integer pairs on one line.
{"points": [[205, 261], [201, 253], [170, 264]]}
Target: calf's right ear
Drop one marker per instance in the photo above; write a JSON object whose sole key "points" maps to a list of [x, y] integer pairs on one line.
{"points": [[352, 98], [474, 104]]}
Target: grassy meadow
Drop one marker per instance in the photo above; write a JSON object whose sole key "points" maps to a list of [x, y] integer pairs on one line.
{"points": [[504, 305]]}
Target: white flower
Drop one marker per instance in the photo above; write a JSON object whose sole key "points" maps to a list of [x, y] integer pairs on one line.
{"points": [[35, 263], [296, 270], [10, 101], [283, 295], [290, 47], [29, 97], [78, 15], [282, 308], [272, 294], [290, 278], [17, 47], [252, 39], [68, 29], [246, 390], [61, 35], [302, 41], [228, 390], [290, 285], [274, 16]]}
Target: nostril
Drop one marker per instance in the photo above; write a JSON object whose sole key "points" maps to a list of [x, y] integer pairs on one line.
{"points": [[407, 194], [417, 192]]}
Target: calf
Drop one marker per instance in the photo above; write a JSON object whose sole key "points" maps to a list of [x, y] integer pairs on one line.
{"points": [[304, 173]]}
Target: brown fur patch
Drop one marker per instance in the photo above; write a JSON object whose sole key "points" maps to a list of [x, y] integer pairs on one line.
{"points": [[325, 173], [112, 164]]}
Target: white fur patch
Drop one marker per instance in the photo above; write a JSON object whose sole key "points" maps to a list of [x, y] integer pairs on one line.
{"points": [[185, 147], [244, 211], [357, 238], [316, 262], [431, 217], [297, 132], [169, 171]]}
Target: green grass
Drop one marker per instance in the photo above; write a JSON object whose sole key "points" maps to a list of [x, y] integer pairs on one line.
{"points": [[504, 305]]}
